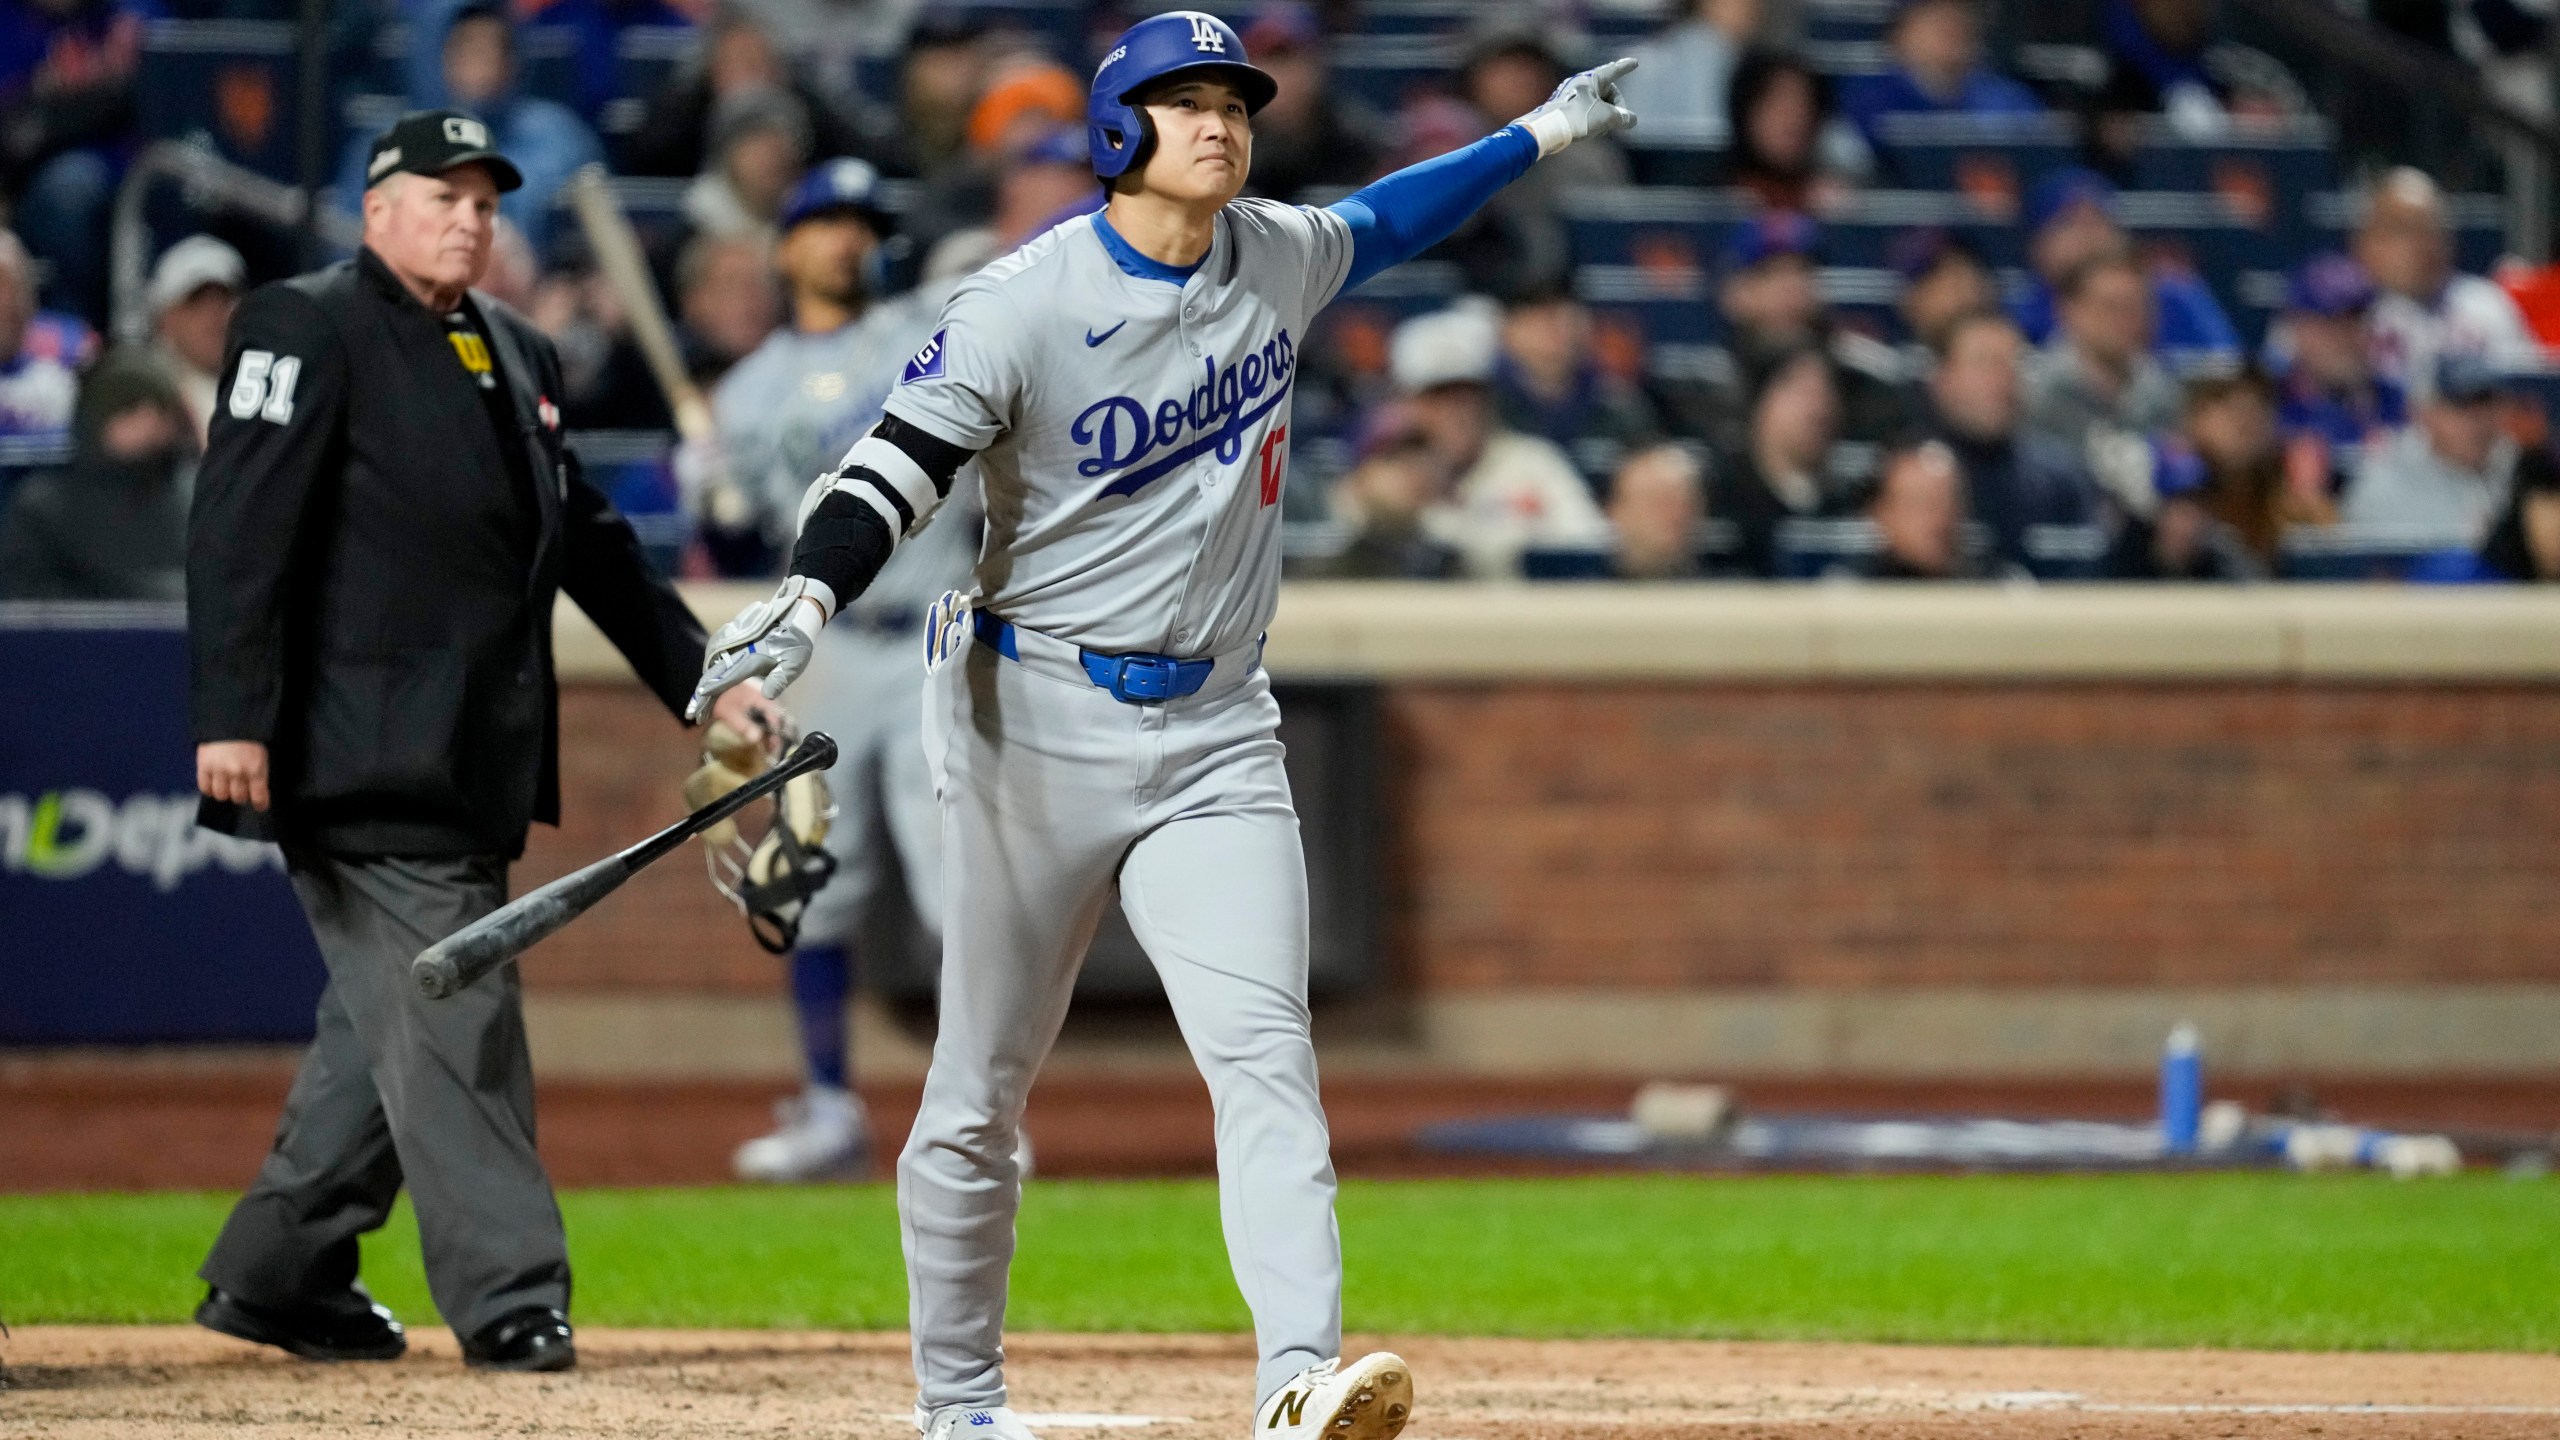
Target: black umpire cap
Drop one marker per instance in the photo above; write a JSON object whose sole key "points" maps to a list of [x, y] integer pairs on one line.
{"points": [[430, 142]]}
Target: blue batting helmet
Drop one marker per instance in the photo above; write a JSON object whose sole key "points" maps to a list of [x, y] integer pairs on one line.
{"points": [[1175, 42]]}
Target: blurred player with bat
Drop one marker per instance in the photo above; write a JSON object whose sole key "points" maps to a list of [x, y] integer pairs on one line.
{"points": [[385, 513], [785, 413]]}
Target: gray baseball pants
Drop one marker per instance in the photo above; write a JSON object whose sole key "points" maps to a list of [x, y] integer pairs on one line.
{"points": [[397, 1087], [1054, 796]]}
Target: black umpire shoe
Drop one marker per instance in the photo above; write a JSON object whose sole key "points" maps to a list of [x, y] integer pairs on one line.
{"points": [[534, 1338], [354, 1329]]}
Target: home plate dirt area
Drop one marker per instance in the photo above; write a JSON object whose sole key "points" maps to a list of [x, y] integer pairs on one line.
{"points": [[174, 1383]]}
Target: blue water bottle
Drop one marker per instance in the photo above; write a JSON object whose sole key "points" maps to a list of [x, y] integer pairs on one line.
{"points": [[2181, 1090]]}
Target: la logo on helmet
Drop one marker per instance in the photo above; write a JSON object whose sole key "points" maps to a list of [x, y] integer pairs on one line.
{"points": [[1205, 36]]}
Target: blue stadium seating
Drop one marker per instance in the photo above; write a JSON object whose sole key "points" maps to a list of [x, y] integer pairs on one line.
{"points": [[227, 83]]}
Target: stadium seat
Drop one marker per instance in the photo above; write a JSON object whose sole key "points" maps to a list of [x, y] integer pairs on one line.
{"points": [[1812, 549], [226, 83], [1992, 159], [1388, 70], [2357, 553]]}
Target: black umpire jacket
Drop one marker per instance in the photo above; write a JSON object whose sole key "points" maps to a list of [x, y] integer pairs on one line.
{"points": [[369, 592]]}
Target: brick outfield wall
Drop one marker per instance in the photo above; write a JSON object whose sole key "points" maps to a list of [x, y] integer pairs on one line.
{"points": [[1835, 836]]}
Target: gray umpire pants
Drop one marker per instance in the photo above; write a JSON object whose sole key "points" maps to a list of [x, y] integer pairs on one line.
{"points": [[397, 1087]]}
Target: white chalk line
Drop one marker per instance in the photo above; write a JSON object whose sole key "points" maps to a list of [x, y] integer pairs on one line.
{"points": [[2066, 1400]]}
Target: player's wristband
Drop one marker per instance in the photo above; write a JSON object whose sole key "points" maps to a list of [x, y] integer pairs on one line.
{"points": [[1549, 128]]}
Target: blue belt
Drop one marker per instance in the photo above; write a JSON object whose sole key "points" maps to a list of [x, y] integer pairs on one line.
{"points": [[1133, 679]]}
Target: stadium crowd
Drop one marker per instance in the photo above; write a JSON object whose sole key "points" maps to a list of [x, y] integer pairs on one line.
{"points": [[2094, 411]]}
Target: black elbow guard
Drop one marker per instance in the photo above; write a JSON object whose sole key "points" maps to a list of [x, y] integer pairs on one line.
{"points": [[843, 546]]}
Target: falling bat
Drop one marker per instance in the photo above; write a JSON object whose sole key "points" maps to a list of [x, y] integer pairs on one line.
{"points": [[503, 933]]}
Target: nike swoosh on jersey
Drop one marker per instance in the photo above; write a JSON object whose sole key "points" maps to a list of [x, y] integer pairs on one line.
{"points": [[1091, 339]]}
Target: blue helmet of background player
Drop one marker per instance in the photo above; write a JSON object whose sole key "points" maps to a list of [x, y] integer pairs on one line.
{"points": [[839, 187], [1174, 43]]}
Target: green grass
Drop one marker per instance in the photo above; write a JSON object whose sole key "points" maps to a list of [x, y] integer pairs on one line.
{"points": [[2220, 1260]]}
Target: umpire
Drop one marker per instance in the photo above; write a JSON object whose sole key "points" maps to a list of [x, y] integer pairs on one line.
{"points": [[384, 515]]}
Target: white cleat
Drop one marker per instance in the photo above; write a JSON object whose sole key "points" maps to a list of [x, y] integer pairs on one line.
{"points": [[821, 1134], [1369, 1399], [973, 1422]]}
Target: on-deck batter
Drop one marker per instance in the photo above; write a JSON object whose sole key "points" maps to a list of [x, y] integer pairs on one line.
{"points": [[1097, 712], [811, 389]]}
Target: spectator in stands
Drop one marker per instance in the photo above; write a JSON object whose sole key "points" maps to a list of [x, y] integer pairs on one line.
{"points": [[1780, 470], [37, 391], [67, 73], [606, 378], [1504, 68], [1918, 512], [2014, 479], [2098, 374], [1308, 135], [546, 139], [2163, 58], [739, 55], [112, 525], [1049, 183], [1943, 281], [2321, 351], [2446, 479], [2071, 219], [1657, 503], [1502, 492], [1770, 297], [1506, 244], [2180, 537], [938, 81], [2231, 427], [2526, 543], [192, 292], [1550, 383], [1684, 70], [2427, 309], [759, 150], [594, 30], [1938, 69], [727, 300], [1788, 150], [1385, 501], [1027, 96]]}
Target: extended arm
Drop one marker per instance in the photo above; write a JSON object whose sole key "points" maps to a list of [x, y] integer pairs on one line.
{"points": [[1396, 218]]}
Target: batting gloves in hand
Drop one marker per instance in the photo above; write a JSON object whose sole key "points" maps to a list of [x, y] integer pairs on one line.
{"points": [[772, 638], [1583, 107]]}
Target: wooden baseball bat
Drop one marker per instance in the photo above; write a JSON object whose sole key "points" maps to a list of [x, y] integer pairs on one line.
{"points": [[626, 269], [512, 928]]}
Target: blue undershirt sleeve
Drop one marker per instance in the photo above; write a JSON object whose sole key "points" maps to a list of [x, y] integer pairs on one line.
{"points": [[1398, 217]]}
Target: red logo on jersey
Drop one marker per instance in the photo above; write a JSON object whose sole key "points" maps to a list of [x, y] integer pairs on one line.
{"points": [[1275, 463]]}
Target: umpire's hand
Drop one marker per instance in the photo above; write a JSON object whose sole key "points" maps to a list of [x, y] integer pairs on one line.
{"points": [[233, 770]]}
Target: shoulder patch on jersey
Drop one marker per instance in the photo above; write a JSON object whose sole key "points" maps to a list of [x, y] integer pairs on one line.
{"points": [[927, 362]]}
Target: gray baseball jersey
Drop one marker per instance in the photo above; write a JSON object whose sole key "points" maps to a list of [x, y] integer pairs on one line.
{"points": [[1131, 425], [1132, 434]]}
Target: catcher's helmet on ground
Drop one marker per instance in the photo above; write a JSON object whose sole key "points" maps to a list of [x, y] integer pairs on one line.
{"points": [[1167, 44]]}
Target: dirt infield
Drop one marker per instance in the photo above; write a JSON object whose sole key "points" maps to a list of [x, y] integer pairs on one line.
{"points": [[103, 1383]]}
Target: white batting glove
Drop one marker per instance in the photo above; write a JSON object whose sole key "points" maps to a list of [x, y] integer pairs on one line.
{"points": [[1583, 107], [771, 638]]}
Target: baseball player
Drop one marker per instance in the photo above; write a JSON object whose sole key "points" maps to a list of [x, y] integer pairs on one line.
{"points": [[1096, 710], [784, 412]]}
